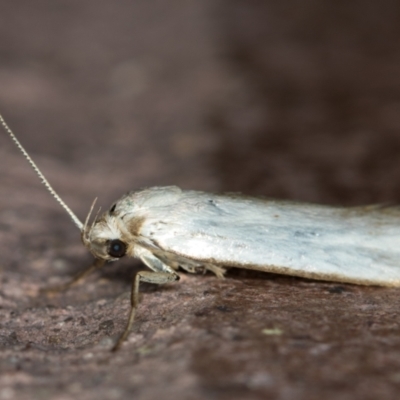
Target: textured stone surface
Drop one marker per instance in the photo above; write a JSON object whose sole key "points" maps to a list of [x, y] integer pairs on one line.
{"points": [[296, 101]]}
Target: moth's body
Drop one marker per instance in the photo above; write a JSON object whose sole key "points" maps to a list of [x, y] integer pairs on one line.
{"points": [[168, 228]]}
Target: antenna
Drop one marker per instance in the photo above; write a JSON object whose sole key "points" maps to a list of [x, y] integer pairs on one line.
{"points": [[45, 182]]}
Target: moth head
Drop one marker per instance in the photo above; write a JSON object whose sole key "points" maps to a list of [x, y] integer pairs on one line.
{"points": [[104, 238]]}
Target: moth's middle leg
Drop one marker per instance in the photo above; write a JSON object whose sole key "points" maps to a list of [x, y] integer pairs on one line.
{"points": [[161, 274]]}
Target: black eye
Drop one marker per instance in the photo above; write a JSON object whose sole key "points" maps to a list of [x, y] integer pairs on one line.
{"points": [[112, 209], [116, 248]]}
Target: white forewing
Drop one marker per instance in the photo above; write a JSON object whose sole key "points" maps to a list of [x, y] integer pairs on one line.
{"points": [[359, 245]]}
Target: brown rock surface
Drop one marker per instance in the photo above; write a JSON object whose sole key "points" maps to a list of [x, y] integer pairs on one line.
{"points": [[296, 100]]}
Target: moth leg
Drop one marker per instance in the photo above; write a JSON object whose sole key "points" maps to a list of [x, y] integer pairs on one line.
{"points": [[218, 271], [162, 274], [98, 263], [194, 269]]}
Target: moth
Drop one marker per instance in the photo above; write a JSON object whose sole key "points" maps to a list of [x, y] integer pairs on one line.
{"points": [[168, 228]]}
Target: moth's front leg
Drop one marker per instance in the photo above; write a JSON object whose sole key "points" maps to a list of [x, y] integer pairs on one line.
{"points": [[97, 263], [162, 274]]}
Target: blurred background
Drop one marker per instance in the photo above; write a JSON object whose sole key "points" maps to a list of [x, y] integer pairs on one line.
{"points": [[297, 100]]}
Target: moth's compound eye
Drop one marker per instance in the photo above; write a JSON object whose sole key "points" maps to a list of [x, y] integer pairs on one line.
{"points": [[116, 248], [112, 209]]}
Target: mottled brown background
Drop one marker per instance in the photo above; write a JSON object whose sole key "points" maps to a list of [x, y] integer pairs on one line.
{"points": [[294, 99]]}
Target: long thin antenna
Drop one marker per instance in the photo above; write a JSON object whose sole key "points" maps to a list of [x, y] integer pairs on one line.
{"points": [[45, 182]]}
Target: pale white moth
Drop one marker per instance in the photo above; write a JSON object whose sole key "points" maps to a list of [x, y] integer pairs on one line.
{"points": [[168, 228]]}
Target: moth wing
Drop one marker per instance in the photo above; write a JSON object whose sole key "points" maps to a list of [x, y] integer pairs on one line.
{"points": [[358, 245]]}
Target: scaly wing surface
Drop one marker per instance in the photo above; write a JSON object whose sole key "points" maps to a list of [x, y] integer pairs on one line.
{"points": [[358, 245]]}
